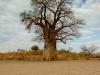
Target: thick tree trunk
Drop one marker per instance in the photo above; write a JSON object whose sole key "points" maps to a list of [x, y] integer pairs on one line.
{"points": [[49, 51], [49, 44]]}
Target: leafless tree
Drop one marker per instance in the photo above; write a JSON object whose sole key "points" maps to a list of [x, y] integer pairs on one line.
{"points": [[88, 50], [54, 21]]}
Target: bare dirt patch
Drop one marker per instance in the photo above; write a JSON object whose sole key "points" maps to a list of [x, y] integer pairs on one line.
{"points": [[68, 67]]}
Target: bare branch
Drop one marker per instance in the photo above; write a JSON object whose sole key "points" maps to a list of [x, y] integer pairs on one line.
{"points": [[54, 19], [88, 50]]}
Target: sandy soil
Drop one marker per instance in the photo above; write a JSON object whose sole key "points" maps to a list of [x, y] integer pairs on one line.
{"points": [[69, 67]]}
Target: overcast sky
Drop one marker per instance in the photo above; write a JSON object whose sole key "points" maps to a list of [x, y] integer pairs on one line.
{"points": [[13, 35]]}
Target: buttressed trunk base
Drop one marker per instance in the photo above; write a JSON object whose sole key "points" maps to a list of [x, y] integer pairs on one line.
{"points": [[49, 52]]}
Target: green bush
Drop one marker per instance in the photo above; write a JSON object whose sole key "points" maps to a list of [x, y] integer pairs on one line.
{"points": [[35, 47]]}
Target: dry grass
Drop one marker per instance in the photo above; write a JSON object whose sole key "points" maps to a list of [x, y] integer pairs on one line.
{"points": [[32, 55]]}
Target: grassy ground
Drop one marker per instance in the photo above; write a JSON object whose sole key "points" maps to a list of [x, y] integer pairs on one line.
{"points": [[32, 55]]}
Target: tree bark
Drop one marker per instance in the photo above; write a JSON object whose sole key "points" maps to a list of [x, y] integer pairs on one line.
{"points": [[49, 51]]}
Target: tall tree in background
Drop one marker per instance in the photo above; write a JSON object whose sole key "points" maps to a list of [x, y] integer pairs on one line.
{"points": [[54, 21]]}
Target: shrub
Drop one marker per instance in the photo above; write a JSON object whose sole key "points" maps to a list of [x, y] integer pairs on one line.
{"points": [[35, 48]]}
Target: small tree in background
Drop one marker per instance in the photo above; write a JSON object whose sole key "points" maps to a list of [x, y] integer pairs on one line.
{"points": [[18, 50], [88, 50], [35, 48], [69, 49]]}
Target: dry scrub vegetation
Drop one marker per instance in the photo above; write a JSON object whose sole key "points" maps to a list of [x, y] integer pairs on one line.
{"points": [[38, 55]]}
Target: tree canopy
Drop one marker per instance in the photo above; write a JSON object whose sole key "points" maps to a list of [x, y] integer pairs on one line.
{"points": [[52, 14], [35, 47]]}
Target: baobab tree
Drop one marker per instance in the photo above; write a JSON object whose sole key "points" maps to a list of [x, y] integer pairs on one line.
{"points": [[53, 21]]}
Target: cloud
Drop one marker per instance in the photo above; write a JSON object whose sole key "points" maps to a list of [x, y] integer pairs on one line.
{"points": [[90, 12], [86, 32], [76, 45], [95, 29], [78, 3], [87, 37], [10, 10], [13, 35]]}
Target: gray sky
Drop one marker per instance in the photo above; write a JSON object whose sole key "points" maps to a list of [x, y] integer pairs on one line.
{"points": [[14, 36]]}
